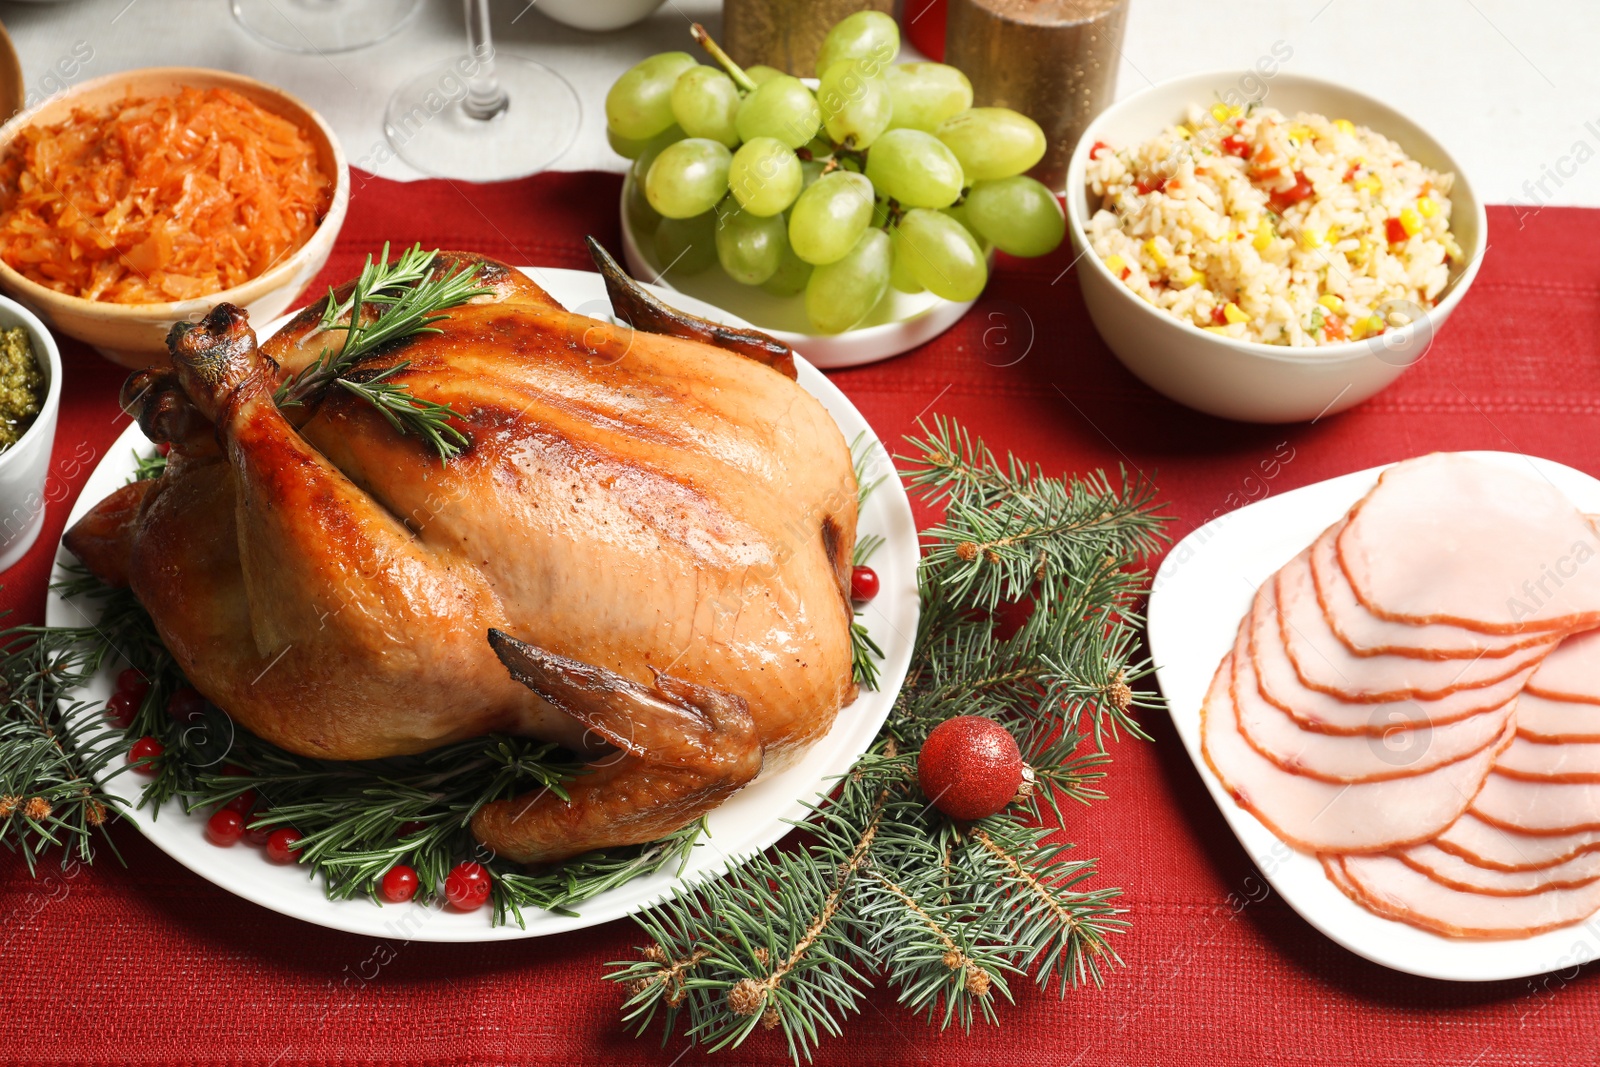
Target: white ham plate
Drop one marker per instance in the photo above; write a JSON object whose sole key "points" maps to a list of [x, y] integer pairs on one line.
{"points": [[1202, 589]]}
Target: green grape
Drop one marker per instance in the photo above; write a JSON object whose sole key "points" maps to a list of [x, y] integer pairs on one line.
{"points": [[869, 35], [781, 107], [1017, 214], [765, 176], [761, 73], [688, 177], [705, 102], [901, 276], [827, 219], [642, 218], [652, 148], [925, 94], [842, 293], [959, 213], [791, 275], [687, 246], [992, 142], [856, 106], [914, 168], [639, 104], [942, 255], [624, 146], [749, 247], [811, 170]]}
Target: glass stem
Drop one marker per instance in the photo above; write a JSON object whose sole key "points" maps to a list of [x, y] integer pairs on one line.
{"points": [[485, 99]]}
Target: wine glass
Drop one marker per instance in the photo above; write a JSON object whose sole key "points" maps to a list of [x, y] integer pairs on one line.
{"points": [[483, 116], [323, 26]]}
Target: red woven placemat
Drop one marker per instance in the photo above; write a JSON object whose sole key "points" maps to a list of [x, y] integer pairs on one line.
{"points": [[150, 963]]}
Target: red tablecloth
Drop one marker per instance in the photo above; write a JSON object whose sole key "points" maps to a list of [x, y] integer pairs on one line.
{"points": [[149, 963]]}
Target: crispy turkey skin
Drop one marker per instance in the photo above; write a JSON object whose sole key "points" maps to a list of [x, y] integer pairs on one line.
{"points": [[644, 546]]}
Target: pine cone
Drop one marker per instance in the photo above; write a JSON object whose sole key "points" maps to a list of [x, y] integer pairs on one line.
{"points": [[746, 997]]}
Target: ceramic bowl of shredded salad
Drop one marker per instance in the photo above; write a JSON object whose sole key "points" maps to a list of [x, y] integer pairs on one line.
{"points": [[144, 198]]}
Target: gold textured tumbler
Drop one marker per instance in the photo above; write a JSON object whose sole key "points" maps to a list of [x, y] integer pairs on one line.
{"points": [[786, 34], [1053, 60]]}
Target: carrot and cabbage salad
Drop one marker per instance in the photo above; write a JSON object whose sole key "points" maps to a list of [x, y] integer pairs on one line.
{"points": [[159, 199]]}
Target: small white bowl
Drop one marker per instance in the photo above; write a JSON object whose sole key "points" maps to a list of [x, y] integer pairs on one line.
{"points": [[599, 16], [1247, 380], [25, 466]]}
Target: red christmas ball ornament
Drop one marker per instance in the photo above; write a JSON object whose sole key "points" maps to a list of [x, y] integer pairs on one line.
{"points": [[467, 886], [970, 767], [280, 845], [399, 884]]}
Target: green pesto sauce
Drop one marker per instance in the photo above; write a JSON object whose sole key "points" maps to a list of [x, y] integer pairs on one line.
{"points": [[21, 385]]}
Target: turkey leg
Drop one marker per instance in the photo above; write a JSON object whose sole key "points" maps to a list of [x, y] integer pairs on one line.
{"points": [[681, 750]]}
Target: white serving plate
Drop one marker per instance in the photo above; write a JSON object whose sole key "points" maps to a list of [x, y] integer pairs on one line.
{"points": [[1201, 591], [753, 819], [898, 324]]}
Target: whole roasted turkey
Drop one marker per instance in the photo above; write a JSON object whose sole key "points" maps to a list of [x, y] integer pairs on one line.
{"points": [[643, 553]]}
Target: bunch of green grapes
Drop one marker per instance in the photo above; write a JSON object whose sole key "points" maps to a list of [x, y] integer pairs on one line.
{"points": [[885, 175]]}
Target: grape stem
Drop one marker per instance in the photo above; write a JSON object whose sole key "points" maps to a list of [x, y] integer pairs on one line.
{"points": [[736, 72]]}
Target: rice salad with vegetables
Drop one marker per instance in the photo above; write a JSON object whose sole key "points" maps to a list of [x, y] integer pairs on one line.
{"points": [[1303, 231]]}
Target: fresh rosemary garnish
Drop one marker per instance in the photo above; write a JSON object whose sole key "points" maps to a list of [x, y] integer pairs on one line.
{"points": [[404, 302]]}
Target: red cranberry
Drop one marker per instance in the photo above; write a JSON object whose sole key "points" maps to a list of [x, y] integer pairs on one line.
{"points": [[144, 750], [280, 845], [133, 683], [186, 705], [121, 709], [224, 828], [243, 802], [399, 884], [467, 886], [863, 583]]}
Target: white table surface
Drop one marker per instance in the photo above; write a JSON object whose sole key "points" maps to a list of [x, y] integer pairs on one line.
{"points": [[1510, 86]]}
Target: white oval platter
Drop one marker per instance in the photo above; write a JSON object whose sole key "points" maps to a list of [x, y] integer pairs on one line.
{"points": [[1201, 591], [753, 819]]}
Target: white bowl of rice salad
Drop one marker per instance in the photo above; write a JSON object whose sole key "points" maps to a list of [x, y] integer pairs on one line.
{"points": [[1270, 249]]}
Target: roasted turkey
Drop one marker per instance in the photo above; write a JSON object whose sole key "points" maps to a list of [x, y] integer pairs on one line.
{"points": [[643, 553]]}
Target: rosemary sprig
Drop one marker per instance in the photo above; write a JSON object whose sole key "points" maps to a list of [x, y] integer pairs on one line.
{"points": [[403, 302]]}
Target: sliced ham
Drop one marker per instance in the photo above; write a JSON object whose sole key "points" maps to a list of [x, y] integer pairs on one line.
{"points": [[1319, 816], [1397, 753], [1544, 719], [1325, 663], [1459, 873], [1560, 761], [1572, 671], [1535, 807], [1454, 539], [1390, 887], [1367, 635], [1281, 686], [1508, 850]]}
